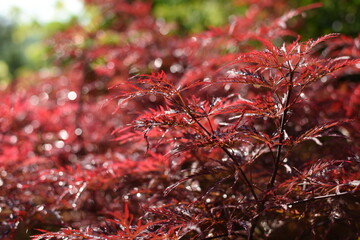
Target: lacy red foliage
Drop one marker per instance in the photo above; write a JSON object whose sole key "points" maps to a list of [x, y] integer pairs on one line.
{"points": [[219, 135]]}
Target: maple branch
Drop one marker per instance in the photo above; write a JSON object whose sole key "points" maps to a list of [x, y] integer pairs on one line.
{"points": [[188, 111], [282, 130], [261, 206], [321, 197], [241, 172]]}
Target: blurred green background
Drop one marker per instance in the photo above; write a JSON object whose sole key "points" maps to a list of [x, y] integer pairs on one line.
{"points": [[23, 50]]}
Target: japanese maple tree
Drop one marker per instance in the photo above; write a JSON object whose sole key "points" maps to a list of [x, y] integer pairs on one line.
{"points": [[239, 132]]}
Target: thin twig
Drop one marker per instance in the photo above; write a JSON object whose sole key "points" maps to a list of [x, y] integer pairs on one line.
{"points": [[282, 130], [321, 197], [261, 205], [232, 157]]}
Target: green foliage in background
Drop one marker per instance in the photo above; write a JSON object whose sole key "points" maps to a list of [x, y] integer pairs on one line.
{"points": [[196, 15], [22, 45], [342, 16], [11, 55]]}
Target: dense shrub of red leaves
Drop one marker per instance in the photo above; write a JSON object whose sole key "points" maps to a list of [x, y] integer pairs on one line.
{"points": [[219, 135]]}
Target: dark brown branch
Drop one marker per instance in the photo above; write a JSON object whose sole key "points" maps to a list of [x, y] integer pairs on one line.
{"points": [[261, 205], [188, 111], [282, 129]]}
